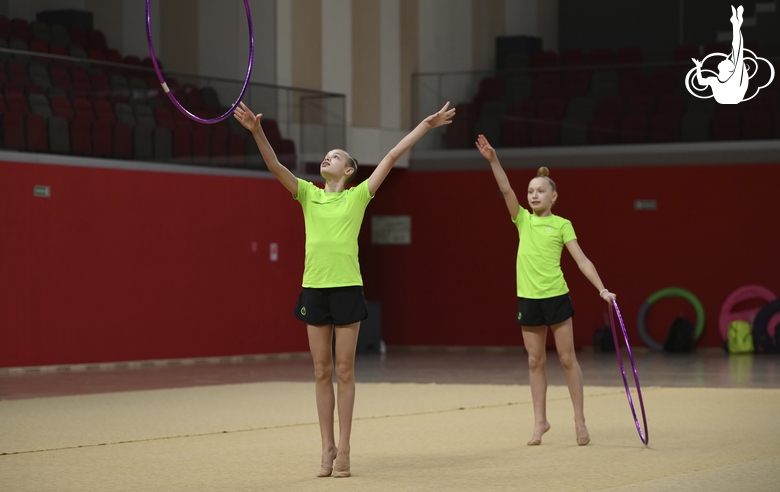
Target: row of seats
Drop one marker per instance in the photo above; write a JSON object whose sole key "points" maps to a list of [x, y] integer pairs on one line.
{"points": [[106, 136], [53, 105], [622, 56], [615, 119], [75, 81], [57, 34], [578, 83], [572, 98]]}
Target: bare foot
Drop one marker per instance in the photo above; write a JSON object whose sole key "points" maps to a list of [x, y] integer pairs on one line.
{"points": [[539, 430], [326, 468], [583, 437]]}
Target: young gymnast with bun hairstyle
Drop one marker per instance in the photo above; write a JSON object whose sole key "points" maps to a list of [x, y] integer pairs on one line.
{"points": [[543, 296], [332, 298]]}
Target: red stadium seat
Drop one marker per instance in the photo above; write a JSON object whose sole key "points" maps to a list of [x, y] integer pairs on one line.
{"points": [[572, 58], [628, 55], [673, 104], [576, 83], [39, 46], [78, 36], [665, 80], [183, 122], [201, 140], [640, 105], [287, 156], [102, 139], [17, 72], [726, 123], [665, 128], [16, 101], [164, 118], [104, 111], [101, 88], [96, 39], [603, 129], [757, 124], [600, 56], [182, 144], [133, 60], [543, 59], [37, 136], [633, 82], [546, 85], [20, 29], [237, 145], [61, 106], [81, 137], [490, 89], [611, 106], [123, 141], [219, 140], [60, 78], [97, 54], [515, 132], [544, 133], [634, 128], [553, 109], [458, 134], [114, 56], [13, 130]]}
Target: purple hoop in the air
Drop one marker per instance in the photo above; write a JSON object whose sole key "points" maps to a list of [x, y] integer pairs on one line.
{"points": [[170, 94], [644, 436]]}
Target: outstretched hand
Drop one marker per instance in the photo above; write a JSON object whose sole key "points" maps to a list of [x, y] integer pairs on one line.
{"points": [[487, 151], [442, 117], [247, 118], [696, 62]]}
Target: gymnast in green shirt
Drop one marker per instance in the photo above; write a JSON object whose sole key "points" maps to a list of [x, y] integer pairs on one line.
{"points": [[542, 293], [332, 299]]}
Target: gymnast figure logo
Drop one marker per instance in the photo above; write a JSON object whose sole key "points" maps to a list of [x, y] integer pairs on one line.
{"points": [[730, 84]]}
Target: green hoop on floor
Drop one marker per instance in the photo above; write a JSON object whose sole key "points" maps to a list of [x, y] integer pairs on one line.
{"points": [[669, 292]]}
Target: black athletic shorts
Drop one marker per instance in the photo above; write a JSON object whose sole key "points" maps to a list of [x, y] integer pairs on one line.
{"points": [[544, 312], [331, 306]]}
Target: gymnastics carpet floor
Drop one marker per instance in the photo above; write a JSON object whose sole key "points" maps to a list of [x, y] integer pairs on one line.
{"points": [[426, 437]]}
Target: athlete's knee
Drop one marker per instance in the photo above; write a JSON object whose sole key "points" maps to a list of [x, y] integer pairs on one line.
{"points": [[568, 359], [537, 361], [345, 372], [323, 371]]}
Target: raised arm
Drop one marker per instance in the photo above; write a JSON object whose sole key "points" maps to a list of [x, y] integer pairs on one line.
{"points": [[588, 269], [251, 122], [489, 153], [442, 117]]}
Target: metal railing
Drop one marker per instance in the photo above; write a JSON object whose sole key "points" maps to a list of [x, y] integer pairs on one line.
{"points": [[430, 90], [315, 121]]}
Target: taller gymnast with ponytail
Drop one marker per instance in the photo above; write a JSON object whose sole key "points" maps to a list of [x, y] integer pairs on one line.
{"points": [[543, 296]]}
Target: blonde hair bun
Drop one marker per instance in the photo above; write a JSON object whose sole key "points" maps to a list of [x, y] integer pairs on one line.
{"points": [[543, 172]]}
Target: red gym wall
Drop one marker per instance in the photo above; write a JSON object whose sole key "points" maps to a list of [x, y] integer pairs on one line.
{"points": [[126, 265], [130, 265], [715, 229]]}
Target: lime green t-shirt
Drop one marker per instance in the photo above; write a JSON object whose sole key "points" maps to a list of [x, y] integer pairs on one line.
{"points": [[332, 223], [539, 273]]}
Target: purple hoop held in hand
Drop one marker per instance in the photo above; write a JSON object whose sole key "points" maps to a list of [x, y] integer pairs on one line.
{"points": [[644, 436], [168, 91]]}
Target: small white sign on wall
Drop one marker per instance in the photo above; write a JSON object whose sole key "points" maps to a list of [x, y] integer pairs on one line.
{"points": [[391, 229]]}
